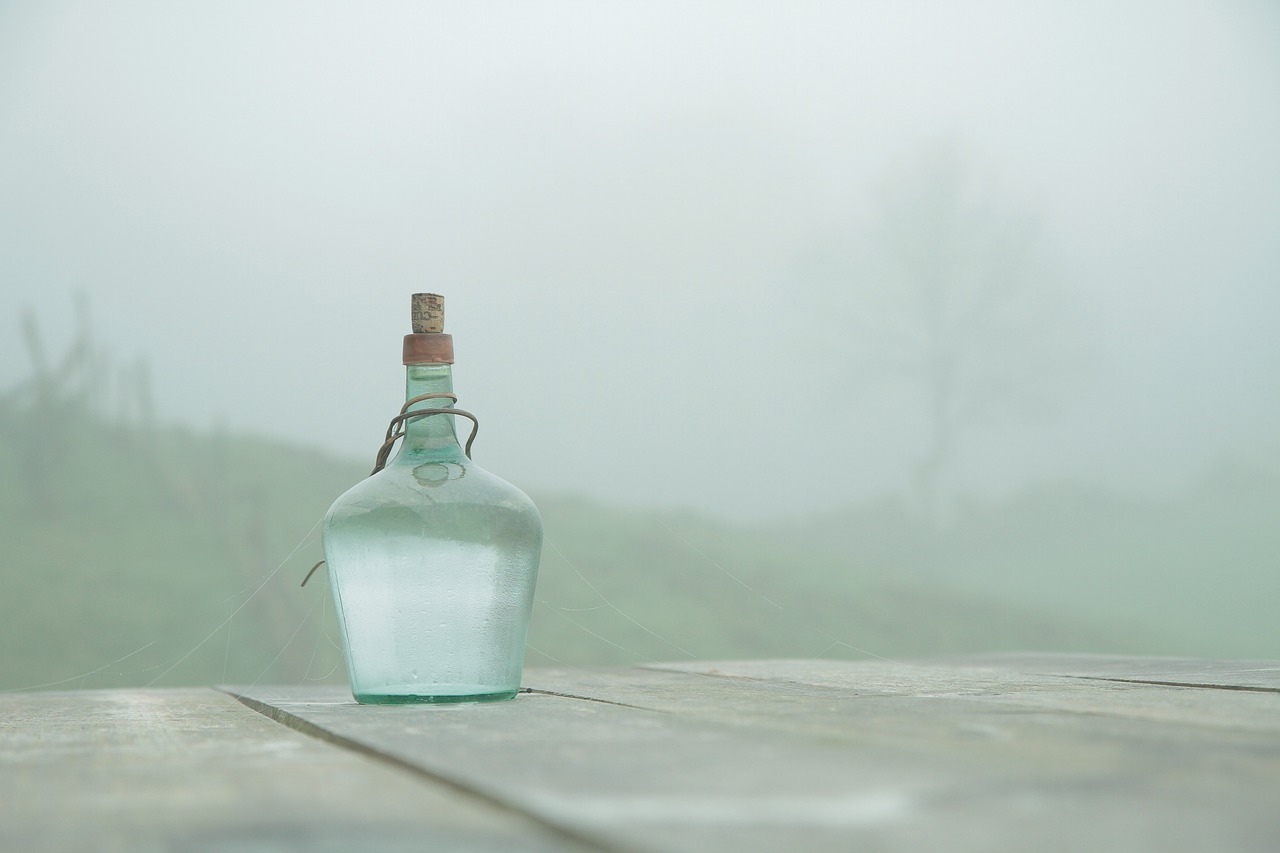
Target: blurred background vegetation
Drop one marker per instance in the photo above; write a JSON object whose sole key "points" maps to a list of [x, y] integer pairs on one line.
{"points": [[814, 327], [139, 552]]}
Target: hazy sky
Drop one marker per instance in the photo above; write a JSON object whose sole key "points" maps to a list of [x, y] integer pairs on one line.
{"points": [[619, 201]]}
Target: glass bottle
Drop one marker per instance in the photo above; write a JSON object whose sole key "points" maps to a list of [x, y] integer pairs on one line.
{"points": [[432, 560]]}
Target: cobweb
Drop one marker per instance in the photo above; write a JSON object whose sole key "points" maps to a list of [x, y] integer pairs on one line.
{"points": [[315, 631]]}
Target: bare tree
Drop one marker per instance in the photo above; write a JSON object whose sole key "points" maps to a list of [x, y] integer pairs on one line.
{"points": [[948, 288], [46, 416]]}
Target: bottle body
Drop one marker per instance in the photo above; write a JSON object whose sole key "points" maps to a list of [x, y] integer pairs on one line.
{"points": [[432, 562]]}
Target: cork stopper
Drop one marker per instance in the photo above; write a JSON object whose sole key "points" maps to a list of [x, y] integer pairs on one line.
{"points": [[428, 344], [428, 313]]}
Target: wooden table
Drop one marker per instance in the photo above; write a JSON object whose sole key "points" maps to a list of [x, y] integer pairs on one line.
{"points": [[1012, 752]]}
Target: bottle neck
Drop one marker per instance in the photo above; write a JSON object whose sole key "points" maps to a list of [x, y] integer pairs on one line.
{"points": [[434, 434]]}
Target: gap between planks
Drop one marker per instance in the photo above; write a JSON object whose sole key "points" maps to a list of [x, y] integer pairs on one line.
{"points": [[589, 699], [1245, 689]]}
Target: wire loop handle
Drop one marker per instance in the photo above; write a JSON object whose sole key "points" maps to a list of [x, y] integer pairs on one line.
{"points": [[396, 431]]}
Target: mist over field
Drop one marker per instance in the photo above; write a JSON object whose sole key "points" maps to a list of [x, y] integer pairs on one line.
{"points": [[950, 327]]}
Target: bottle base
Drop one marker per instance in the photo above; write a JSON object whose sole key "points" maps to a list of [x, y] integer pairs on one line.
{"points": [[433, 699]]}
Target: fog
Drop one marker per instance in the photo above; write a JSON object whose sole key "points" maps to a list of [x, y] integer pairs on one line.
{"points": [[619, 204], [756, 260]]}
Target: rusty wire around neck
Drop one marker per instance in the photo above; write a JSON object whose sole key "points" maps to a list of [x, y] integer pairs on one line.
{"points": [[396, 431]]}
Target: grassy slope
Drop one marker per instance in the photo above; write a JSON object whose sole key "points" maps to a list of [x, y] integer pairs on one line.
{"points": [[144, 548], [156, 542], [663, 585]]}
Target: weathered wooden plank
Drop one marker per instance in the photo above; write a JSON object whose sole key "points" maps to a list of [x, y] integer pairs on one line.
{"points": [[1013, 688], [872, 759], [1191, 672], [195, 770], [644, 780]]}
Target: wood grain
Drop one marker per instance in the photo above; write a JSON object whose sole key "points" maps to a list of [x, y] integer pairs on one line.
{"points": [[139, 770], [1000, 752], [822, 755]]}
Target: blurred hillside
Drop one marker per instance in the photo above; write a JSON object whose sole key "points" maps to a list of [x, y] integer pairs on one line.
{"points": [[139, 553], [1194, 574], [140, 546]]}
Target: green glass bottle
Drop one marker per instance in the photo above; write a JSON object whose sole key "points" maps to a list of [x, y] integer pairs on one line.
{"points": [[432, 560]]}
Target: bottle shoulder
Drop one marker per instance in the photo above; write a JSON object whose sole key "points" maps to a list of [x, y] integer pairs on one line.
{"points": [[431, 487]]}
